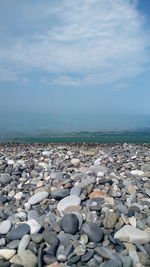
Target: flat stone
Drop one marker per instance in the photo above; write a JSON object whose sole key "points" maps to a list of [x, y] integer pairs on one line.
{"points": [[145, 168], [127, 261], [7, 254], [72, 209], [5, 178], [112, 263], [5, 227], [93, 232], [98, 194], [131, 234], [66, 202], [75, 190], [18, 232], [130, 188], [38, 197], [87, 256], [70, 223]]}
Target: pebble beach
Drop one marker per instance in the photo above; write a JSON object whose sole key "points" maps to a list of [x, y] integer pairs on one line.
{"points": [[83, 205]]}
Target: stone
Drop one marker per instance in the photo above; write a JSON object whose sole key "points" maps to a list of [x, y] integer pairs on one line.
{"points": [[7, 254], [48, 259], [105, 252], [34, 226], [80, 250], [93, 231], [130, 188], [70, 223], [75, 162], [23, 243], [51, 238], [112, 263], [132, 221], [145, 168], [72, 209], [75, 190], [66, 202], [131, 234], [36, 238], [137, 172], [87, 256], [5, 178], [98, 195], [18, 232], [110, 219], [127, 261], [5, 227], [58, 194], [27, 258], [13, 244], [38, 197]]}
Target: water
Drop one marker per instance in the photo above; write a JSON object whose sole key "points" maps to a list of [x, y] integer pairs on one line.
{"points": [[101, 128]]}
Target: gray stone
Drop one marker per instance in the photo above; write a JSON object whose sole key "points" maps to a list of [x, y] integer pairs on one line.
{"points": [[5, 178], [70, 223], [112, 263], [18, 232], [38, 197], [145, 168], [93, 232], [51, 238], [58, 194], [66, 202], [105, 252], [5, 227], [127, 261], [76, 190]]}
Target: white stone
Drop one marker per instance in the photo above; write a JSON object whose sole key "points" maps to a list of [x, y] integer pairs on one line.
{"points": [[100, 174], [34, 225], [18, 195], [131, 234], [5, 227], [7, 253], [10, 162], [38, 197], [97, 161], [46, 153], [75, 162], [23, 243], [66, 202], [137, 172]]}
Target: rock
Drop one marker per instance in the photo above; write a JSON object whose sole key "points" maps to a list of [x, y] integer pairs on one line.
{"points": [[87, 256], [88, 181], [105, 252], [145, 168], [38, 197], [93, 232], [132, 221], [144, 259], [58, 194], [18, 232], [127, 261], [112, 263], [13, 244], [34, 226], [27, 258], [137, 172], [5, 178], [110, 219], [80, 250], [51, 238], [130, 188], [73, 260], [76, 190], [66, 202], [131, 234], [75, 162], [98, 195], [7, 254], [122, 208], [5, 227], [23, 243], [48, 259], [36, 238], [70, 223]]}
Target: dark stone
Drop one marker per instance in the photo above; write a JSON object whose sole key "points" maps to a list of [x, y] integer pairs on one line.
{"points": [[58, 194], [5, 264], [18, 232], [131, 213], [73, 260], [105, 181], [70, 223], [3, 215], [3, 199], [51, 238], [93, 231], [87, 256], [48, 259], [112, 239]]}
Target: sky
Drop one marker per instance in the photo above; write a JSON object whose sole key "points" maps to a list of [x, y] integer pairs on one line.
{"points": [[75, 56]]}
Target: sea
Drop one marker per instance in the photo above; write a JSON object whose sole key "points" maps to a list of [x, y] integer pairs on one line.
{"points": [[77, 128]]}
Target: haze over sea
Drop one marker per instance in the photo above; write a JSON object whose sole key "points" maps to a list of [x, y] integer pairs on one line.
{"points": [[101, 128]]}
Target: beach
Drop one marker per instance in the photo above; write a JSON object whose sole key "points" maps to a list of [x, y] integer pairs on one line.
{"points": [[68, 204]]}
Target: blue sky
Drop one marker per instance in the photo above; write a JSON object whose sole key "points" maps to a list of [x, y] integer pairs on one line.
{"points": [[75, 56]]}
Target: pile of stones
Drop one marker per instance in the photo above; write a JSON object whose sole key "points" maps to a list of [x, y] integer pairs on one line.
{"points": [[83, 205]]}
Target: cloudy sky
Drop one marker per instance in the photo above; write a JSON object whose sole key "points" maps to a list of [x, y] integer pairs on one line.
{"points": [[75, 56]]}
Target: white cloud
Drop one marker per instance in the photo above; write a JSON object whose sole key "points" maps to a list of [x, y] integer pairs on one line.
{"points": [[97, 41]]}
